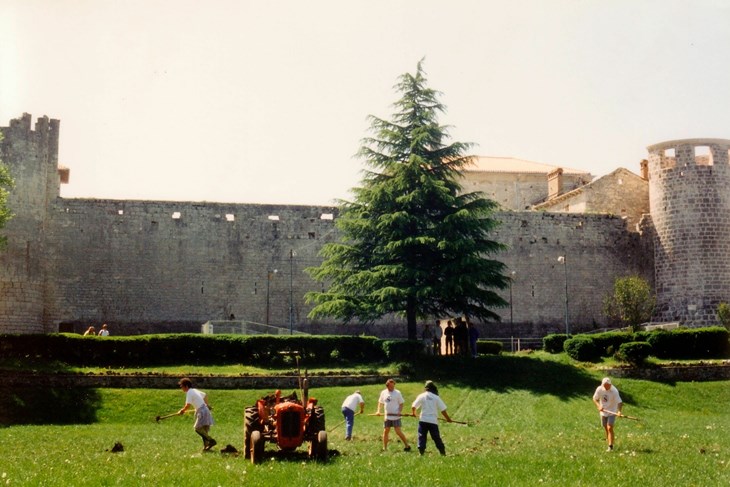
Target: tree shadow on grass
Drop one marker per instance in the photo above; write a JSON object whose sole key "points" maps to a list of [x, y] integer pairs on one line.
{"points": [[48, 405], [505, 373]]}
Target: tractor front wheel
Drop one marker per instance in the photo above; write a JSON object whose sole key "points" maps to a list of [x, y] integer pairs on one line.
{"points": [[257, 447], [321, 453], [251, 424]]}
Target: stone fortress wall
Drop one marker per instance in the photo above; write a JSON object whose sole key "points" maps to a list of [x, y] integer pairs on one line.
{"points": [[152, 266]]}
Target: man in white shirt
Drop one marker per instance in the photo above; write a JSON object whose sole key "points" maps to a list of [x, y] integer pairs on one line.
{"points": [[608, 401], [352, 403], [392, 401]]}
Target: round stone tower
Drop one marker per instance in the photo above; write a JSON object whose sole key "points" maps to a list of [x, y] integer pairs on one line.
{"points": [[689, 199]]}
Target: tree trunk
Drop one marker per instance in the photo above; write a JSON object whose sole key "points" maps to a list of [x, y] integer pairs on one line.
{"points": [[411, 318]]}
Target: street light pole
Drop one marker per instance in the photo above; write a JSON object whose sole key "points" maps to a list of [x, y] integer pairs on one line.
{"points": [[511, 316], [564, 261], [291, 291]]}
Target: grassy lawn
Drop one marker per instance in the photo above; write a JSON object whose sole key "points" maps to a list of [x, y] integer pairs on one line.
{"points": [[533, 424]]}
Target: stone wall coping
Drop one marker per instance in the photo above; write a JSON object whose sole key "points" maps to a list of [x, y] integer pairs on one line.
{"points": [[169, 381]]}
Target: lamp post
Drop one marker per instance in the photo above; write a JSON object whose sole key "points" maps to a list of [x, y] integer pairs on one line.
{"points": [[511, 316], [563, 261], [291, 291]]}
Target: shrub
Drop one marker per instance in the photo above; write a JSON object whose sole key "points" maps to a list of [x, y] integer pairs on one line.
{"points": [[711, 342], [165, 349], [489, 347], [581, 347], [609, 342], [554, 343], [402, 350], [723, 314], [634, 353]]}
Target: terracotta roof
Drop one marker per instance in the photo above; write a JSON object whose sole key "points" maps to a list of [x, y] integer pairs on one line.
{"points": [[511, 164]]}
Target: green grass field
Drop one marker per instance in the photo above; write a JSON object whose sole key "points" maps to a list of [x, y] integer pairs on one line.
{"points": [[533, 424]]}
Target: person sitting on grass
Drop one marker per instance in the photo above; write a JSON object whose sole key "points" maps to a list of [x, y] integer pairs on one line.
{"points": [[203, 417]]}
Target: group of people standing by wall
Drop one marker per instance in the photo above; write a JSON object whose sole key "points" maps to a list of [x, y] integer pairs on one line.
{"points": [[457, 337]]}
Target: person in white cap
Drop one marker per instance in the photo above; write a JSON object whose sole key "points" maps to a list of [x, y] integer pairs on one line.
{"points": [[350, 405], [609, 404]]}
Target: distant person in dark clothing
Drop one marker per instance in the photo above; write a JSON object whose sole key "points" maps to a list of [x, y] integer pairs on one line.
{"points": [[437, 339], [473, 338], [461, 337], [449, 334]]}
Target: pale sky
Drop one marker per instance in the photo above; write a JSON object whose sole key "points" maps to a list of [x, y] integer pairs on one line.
{"points": [[266, 101]]}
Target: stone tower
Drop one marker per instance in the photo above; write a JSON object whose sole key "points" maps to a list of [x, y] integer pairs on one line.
{"points": [[689, 198], [32, 157]]}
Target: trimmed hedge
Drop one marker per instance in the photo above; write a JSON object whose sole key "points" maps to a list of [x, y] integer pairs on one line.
{"points": [[582, 347], [489, 347], [709, 342], [554, 343], [191, 348], [400, 350], [634, 353]]}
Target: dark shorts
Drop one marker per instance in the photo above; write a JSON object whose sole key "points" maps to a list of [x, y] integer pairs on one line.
{"points": [[391, 423], [606, 420]]}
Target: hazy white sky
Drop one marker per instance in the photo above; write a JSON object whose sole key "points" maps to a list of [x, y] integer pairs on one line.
{"points": [[266, 101]]}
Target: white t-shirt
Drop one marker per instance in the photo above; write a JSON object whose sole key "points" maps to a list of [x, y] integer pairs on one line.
{"points": [[103, 332], [195, 398], [431, 405], [610, 399], [353, 401], [392, 401]]}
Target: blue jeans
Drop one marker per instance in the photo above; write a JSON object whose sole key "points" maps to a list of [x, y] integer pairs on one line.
{"points": [[349, 415], [433, 430]]}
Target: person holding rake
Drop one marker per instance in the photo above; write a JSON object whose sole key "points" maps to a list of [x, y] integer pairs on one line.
{"points": [[392, 401], [350, 405], [609, 404], [203, 418], [431, 405]]}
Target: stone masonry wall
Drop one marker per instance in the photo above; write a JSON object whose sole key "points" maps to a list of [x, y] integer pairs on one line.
{"points": [[152, 266], [133, 263]]}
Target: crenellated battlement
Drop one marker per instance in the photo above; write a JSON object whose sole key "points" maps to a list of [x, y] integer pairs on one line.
{"points": [[687, 153]]}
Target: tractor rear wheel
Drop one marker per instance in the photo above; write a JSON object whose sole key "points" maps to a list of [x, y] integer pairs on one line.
{"points": [[251, 424]]}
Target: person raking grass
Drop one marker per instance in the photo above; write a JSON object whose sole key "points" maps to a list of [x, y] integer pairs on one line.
{"points": [[431, 405], [609, 404], [203, 418]]}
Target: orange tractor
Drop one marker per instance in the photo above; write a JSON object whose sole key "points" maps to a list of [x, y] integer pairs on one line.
{"points": [[286, 421]]}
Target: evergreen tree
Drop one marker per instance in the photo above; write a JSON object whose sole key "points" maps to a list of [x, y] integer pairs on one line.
{"points": [[412, 243], [6, 184]]}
